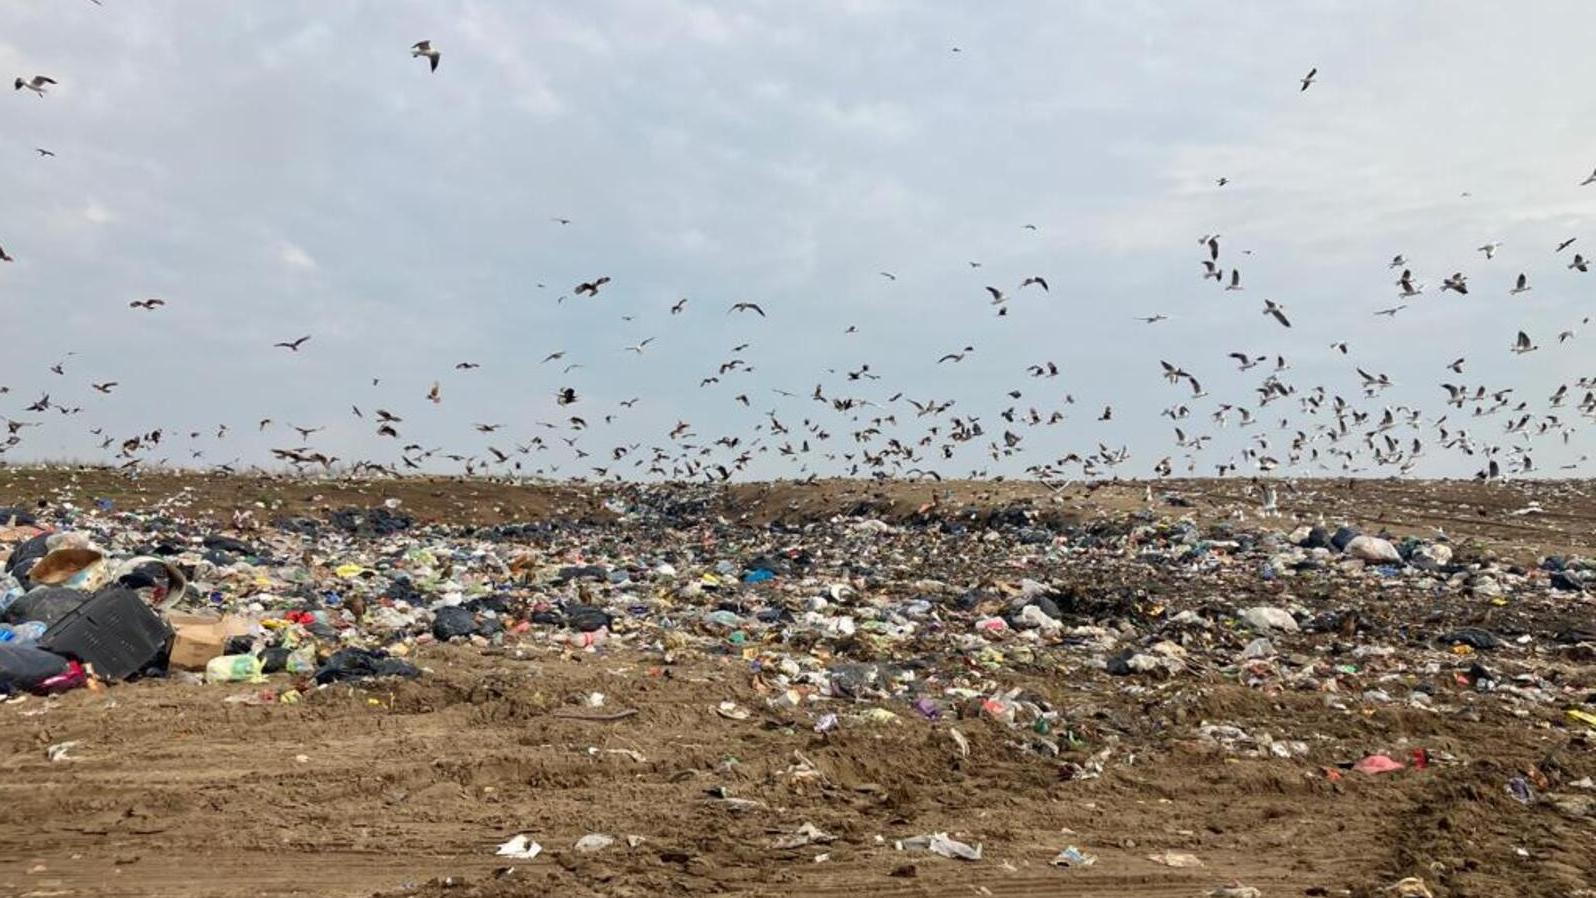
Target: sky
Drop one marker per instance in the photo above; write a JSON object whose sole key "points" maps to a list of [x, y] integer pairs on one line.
{"points": [[279, 170]]}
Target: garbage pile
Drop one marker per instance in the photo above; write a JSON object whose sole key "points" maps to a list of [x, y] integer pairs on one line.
{"points": [[846, 620]]}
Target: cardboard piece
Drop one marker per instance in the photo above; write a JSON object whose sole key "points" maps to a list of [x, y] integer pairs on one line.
{"points": [[199, 639]]}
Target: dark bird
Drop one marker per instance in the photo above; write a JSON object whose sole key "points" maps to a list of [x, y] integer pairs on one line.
{"points": [[1589, 180], [1456, 366], [956, 356], [424, 48], [147, 304], [1579, 263], [293, 344], [1034, 280], [1523, 344], [105, 387], [562, 222], [1222, 181], [680, 304], [746, 307], [4, 257], [466, 366], [1566, 244], [42, 151], [889, 275], [591, 287], [1458, 282], [565, 395], [1522, 285], [1307, 80], [36, 83]]}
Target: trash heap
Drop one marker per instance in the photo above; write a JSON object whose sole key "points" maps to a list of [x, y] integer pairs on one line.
{"points": [[848, 620]]}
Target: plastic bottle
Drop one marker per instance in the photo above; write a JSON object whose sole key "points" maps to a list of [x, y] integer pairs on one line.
{"points": [[28, 632]]}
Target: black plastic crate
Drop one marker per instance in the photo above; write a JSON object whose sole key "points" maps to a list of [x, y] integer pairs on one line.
{"points": [[116, 632]]}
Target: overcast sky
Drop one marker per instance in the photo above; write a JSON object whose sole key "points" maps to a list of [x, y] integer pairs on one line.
{"points": [[279, 169]]}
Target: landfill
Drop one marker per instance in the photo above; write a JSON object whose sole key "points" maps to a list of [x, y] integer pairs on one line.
{"points": [[376, 689]]}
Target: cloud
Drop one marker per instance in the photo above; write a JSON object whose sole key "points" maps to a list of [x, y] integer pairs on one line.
{"points": [[295, 256]]}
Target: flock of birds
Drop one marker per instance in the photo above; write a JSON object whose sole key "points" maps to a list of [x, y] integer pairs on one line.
{"points": [[850, 426]]}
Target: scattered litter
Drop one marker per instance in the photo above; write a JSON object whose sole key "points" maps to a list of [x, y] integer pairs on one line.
{"points": [[521, 848]]}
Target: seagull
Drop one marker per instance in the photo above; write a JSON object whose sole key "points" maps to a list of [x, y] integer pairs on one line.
{"points": [[591, 287], [1222, 181], [639, 347], [1457, 366], [1153, 319], [680, 304], [1523, 344], [1389, 313], [293, 344], [1213, 246], [1397, 261], [1490, 249], [1341, 346], [888, 275], [466, 366], [36, 83], [4, 257], [552, 357], [1034, 280], [746, 307], [1278, 311], [1589, 180], [148, 304], [424, 48], [997, 296], [42, 151], [435, 394], [1307, 79], [1210, 270], [105, 387], [1235, 279], [1579, 263], [1458, 281], [1566, 243], [1522, 285], [562, 222], [956, 356]]}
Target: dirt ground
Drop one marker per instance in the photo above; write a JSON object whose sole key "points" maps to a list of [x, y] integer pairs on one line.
{"points": [[406, 788]]}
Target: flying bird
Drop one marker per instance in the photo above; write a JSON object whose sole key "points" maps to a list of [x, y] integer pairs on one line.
{"points": [[679, 305], [1308, 79], [466, 366], [292, 344], [591, 287], [1489, 249], [42, 151], [1523, 344], [1522, 285], [4, 257], [1579, 263], [746, 307], [148, 304], [1566, 244], [1235, 279], [639, 347], [1389, 313], [105, 387], [1589, 180], [1153, 319], [36, 84], [1278, 311], [424, 48], [1457, 366], [1034, 280]]}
